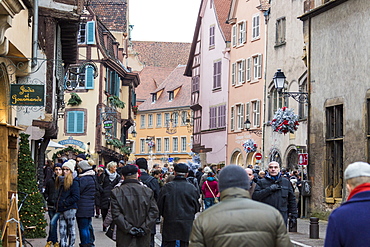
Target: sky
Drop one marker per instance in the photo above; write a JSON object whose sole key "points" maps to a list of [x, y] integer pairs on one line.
{"points": [[163, 20]]}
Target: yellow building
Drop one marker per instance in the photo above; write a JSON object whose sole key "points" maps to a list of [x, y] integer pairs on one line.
{"points": [[164, 122]]}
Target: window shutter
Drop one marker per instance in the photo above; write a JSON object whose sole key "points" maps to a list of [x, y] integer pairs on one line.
{"points": [[258, 120], [259, 66], [243, 71], [234, 35], [214, 75], [80, 122], [232, 118], [70, 122], [233, 70], [244, 39], [242, 116], [218, 79], [117, 84], [247, 112], [90, 32], [89, 77], [249, 69]]}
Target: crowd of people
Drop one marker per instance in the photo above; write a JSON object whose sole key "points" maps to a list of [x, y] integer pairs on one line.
{"points": [[256, 206]]}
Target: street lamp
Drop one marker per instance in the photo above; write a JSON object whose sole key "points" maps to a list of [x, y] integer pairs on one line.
{"points": [[134, 133], [248, 126], [279, 82]]}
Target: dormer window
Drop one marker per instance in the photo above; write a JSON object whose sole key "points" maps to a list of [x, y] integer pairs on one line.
{"points": [[154, 97], [171, 95]]}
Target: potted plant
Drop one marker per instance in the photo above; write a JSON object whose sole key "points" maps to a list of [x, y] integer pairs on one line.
{"points": [[116, 102]]}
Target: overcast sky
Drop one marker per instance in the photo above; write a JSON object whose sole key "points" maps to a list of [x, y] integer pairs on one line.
{"points": [[163, 20]]}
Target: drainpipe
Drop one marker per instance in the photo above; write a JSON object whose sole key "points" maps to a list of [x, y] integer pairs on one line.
{"points": [[35, 32]]}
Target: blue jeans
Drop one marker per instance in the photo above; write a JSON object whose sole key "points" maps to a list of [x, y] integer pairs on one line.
{"points": [[84, 229], [53, 227], [208, 202], [92, 236]]}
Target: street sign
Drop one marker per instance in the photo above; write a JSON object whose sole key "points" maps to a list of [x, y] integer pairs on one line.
{"points": [[108, 124], [258, 156], [303, 159]]}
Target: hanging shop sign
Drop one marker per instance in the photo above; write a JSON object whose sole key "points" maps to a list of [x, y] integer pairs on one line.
{"points": [[27, 95], [72, 141], [108, 124]]}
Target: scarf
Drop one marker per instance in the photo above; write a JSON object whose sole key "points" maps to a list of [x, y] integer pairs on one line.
{"points": [[360, 188], [112, 176]]}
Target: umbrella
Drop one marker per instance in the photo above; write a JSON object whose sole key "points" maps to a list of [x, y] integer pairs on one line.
{"points": [[55, 145]]}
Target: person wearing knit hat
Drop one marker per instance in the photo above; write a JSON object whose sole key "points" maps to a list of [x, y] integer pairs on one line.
{"points": [[237, 211], [66, 205], [346, 223], [84, 165]]}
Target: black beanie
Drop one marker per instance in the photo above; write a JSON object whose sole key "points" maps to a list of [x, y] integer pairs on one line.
{"points": [[142, 163], [233, 176]]}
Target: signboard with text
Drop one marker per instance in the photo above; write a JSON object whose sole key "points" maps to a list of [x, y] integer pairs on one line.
{"points": [[27, 95], [303, 159]]}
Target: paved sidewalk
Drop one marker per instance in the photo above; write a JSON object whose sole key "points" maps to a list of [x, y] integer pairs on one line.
{"points": [[299, 238]]}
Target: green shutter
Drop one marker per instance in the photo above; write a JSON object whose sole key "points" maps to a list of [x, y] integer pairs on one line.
{"points": [[80, 121], [76, 122], [70, 121], [90, 32], [89, 77], [117, 84]]}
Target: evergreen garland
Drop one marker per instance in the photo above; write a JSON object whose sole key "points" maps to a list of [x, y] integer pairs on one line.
{"points": [[32, 211]]}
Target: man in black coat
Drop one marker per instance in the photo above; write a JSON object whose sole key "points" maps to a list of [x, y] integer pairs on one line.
{"points": [[277, 191], [178, 203], [151, 183]]}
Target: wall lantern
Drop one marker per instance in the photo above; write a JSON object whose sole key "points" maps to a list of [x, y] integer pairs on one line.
{"points": [[279, 82]]}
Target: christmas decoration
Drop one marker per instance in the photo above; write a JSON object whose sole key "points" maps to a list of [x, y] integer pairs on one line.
{"points": [[151, 144], [32, 212], [285, 121], [249, 146], [65, 151]]}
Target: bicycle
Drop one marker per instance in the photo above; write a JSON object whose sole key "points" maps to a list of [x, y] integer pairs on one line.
{"points": [[25, 242]]}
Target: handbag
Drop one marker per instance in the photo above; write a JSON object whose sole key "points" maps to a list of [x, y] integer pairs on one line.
{"points": [[110, 231], [215, 198]]}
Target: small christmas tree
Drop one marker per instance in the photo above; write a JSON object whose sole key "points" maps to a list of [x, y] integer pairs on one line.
{"points": [[32, 211]]}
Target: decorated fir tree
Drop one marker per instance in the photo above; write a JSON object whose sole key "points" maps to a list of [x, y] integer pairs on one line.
{"points": [[32, 211]]}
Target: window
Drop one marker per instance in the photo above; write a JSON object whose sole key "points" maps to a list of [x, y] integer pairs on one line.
{"points": [[150, 120], [222, 116], [142, 145], [241, 71], [175, 144], [171, 95], [213, 117], [113, 82], [212, 37], [154, 97], [217, 74], [257, 61], [232, 121], [280, 31], [175, 119], [159, 120], [83, 78], [86, 33], [195, 84], [75, 122], [242, 32], [158, 145], [256, 113], [240, 116], [184, 118], [142, 121], [183, 144], [334, 155], [167, 119], [166, 144], [256, 27], [276, 101]]}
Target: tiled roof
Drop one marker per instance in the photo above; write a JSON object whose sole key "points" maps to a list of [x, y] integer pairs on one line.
{"points": [[162, 54], [150, 78], [113, 13], [222, 10], [175, 80]]}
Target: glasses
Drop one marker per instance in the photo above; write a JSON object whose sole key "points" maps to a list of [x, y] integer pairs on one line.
{"points": [[66, 169]]}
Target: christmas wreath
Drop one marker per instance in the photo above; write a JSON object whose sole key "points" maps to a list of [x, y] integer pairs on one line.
{"points": [[285, 121], [250, 146], [151, 144]]}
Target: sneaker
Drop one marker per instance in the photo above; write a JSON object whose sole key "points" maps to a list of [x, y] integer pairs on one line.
{"points": [[104, 230], [49, 244], [56, 244]]}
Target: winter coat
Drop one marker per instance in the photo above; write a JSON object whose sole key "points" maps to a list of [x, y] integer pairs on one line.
{"points": [[133, 205], [194, 181], [178, 203], [282, 199], [107, 187], [51, 193], [239, 221], [67, 199], [87, 194], [151, 182], [213, 185], [348, 224]]}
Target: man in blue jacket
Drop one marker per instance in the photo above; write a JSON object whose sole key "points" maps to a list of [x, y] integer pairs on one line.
{"points": [[348, 224]]}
